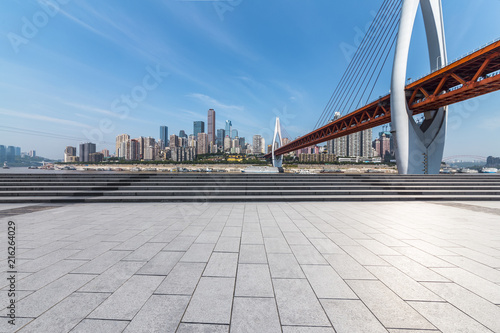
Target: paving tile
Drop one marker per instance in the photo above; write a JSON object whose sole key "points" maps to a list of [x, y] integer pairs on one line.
{"points": [[254, 280], [326, 246], [48, 275], [327, 283], [182, 280], [284, 266], [66, 314], [341, 239], [347, 267], [474, 283], [161, 313], [377, 247], [145, 252], [45, 261], [180, 244], [296, 238], [94, 251], [271, 231], [133, 243], [252, 254], [447, 318], [413, 269], [404, 286], [255, 315], [202, 328], [161, 264], [307, 329], [277, 245], [228, 244], [45, 298], [211, 302], [198, 253], [113, 278], [208, 237], [100, 326], [222, 265], [351, 316], [423, 258], [297, 304], [486, 272], [231, 232], [124, 303], [364, 256], [387, 306], [308, 255], [412, 331], [252, 237], [478, 308], [102, 262]]}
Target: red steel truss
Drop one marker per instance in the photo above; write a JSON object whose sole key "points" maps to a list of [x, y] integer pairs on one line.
{"points": [[474, 75]]}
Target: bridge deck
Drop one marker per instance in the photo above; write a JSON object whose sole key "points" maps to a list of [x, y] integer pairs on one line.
{"points": [[474, 75]]}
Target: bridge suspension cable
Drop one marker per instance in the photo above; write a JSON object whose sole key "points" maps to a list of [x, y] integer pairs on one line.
{"points": [[370, 56]]}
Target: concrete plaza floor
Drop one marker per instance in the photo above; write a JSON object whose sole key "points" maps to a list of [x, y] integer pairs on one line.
{"points": [[312, 267]]}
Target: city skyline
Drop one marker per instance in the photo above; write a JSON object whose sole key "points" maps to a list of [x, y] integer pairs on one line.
{"points": [[67, 83]]}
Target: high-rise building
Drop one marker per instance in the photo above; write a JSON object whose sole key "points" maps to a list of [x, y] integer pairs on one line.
{"points": [[164, 135], [121, 138], [17, 151], [3, 153], [203, 144], [85, 150], [182, 134], [211, 126], [198, 127], [242, 142], [105, 153], [221, 134], [68, 153], [122, 151], [234, 133], [32, 153], [227, 143], [134, 150], [96, 157], [192, 141], [174, 141], [258, 146], [229, 127]]}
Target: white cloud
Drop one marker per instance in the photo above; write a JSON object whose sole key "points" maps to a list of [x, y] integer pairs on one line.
{"points": [[32, 116]]}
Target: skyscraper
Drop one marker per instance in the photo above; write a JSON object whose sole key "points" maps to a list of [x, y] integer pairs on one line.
{"points": [[211, 126], [198, 127], [203, 147], [119, 139], [85, 150], [69, 152], [257, 144], [182, 134], [3, 153], [234, 133], [229, 127], [221, 134], [164, 135]]}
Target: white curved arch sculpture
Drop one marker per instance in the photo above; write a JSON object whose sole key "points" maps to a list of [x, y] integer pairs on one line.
{"points": [[419, 148], [277, 160]]}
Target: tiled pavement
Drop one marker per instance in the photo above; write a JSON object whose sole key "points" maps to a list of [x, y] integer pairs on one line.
{"points": [[281, 267]]}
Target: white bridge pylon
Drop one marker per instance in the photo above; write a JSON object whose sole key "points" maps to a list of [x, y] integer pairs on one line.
{"points": [[419, 147], [277, 160]]}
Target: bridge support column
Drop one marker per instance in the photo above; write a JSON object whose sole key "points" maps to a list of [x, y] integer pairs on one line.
{"points": [[277, 160], [419, 147]]}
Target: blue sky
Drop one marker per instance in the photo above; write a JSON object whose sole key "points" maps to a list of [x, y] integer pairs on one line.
{"points": [[65, 79]]}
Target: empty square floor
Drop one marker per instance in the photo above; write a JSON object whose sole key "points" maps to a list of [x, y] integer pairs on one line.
{"points": [[399, 267]]}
